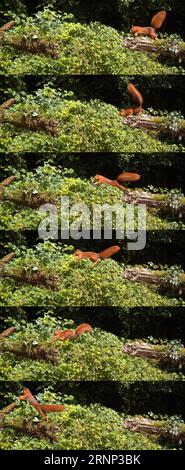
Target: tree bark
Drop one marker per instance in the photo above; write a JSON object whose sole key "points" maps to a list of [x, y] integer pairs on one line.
{"points": [[39, 430], [162, 51], [33, 46], [175, 130], [35, 353], [156, 428], [151, 351], [38, 278], [147, 276], [33, 123], [150, 200]]}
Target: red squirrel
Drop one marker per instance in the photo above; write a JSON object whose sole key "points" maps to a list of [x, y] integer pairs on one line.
{"points": [[63, 335], [156, 23], [95, 257], [99, 179], [138, 100], [41, 408]]}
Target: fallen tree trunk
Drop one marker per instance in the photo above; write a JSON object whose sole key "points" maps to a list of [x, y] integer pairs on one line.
{"points": [[40, 430], [158, 278], [35, 278], [25, 200], [171, 128], [157, 352], [161, 48], [160, 202], [31, 352], [160, 429], [22, 275], [33, 45], [34, 123]]}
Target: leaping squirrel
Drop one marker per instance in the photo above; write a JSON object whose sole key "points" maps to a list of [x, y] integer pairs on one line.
{"points": [[138, 100], [96, 257], [99, 179], [42, 409], [63, 335], [156, 23]]}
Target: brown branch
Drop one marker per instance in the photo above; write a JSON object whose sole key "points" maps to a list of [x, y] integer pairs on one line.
{"points": [[5, 411], [7, 26], [150, 351], [150, 200], [5, 183], [160, 125], [8, 332], [6, 259], [7, 104], [162, 51], [33, 46]]}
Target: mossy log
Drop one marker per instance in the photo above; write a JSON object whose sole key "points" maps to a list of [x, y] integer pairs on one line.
{"points": [[174, 129], [33, 45], [37, 278], [34, 123], [160, 429], [162, 203], [157, 352], [25, 200], [157, 278], [40, 430], [161, 48], [31, 352]]}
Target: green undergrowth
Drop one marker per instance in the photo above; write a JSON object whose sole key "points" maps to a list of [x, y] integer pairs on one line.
{"points": [[82, 126], [81, 48], [75, 283], [50, 184], [89, 427], [92, 356]]}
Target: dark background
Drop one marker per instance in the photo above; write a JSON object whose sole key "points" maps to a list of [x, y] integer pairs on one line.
{"points": [[120, 14]]}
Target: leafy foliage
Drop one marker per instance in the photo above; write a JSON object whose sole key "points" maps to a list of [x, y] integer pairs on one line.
{"points": [[81, 48], [95, 356], [79, 427], [51, 276], [20, 209], [91, 126]]}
